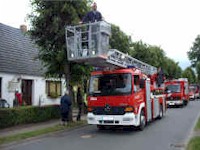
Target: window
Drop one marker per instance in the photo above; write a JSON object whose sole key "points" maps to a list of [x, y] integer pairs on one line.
{"points": [[136, 83], [110, 84], [174, 88], [53, 88]]}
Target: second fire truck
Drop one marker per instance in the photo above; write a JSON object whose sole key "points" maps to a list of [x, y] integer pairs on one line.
{"points": [[177, 92]]}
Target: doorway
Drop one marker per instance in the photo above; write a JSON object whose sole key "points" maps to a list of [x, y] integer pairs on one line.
{"points": [[27, 92]]}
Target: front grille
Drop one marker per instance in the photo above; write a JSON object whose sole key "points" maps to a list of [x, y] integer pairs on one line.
{"points": [[111, 111], [173, 98], [109, 121]]}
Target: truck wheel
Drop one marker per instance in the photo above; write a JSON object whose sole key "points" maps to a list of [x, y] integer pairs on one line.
{"points": [[160, 112], [142, 121], [186, 102]]}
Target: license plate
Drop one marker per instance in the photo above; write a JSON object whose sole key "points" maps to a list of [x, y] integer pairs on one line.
{"points": [[108, 118]]}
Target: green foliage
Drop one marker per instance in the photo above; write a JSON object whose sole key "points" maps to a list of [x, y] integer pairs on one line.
{"points": [[155, 56], [198, 71], [81, 73], [119, 40], [172, 69], [194, 53], [30, 114], [48, 20], [141, 52], [190, 74], [150, 54], [194, 144], [197, 126]]}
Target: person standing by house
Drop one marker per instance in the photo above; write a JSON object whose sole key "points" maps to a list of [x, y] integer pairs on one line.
{"points": [[79, 103], [18, 98], [65, 104]]}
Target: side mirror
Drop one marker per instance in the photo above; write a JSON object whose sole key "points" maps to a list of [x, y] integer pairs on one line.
{"points": [[142, 83]]}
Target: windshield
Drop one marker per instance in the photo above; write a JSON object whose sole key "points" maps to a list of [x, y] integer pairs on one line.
{"points": [[193, 88], [112, 84], [174, 88]]}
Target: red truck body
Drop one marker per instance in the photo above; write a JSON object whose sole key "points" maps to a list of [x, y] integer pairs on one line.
{"points": [[111, 102], [177, 92], [194, 91]]}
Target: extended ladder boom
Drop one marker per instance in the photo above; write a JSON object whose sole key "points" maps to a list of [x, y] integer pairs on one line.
{"points": [[89, 44]]}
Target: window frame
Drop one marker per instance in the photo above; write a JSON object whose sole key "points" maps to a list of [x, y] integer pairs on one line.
{"points": [[57, 87]]}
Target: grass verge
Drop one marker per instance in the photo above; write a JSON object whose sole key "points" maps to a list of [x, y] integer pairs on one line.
{"points": [[197, 127], [194, 143], [25, 135]]}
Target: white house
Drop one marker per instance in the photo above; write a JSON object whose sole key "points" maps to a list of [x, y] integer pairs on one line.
{"points": [[20, 70]]}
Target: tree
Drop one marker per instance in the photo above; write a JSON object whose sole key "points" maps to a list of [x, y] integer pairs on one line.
{"points": [[150, 54], [190, 74], [119, 40], [198, 71], [171, 68], [155, 56], [141, 52], [194, 53], [48, 20]]}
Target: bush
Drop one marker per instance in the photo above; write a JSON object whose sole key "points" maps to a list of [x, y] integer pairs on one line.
{"points": [[28, 114]]}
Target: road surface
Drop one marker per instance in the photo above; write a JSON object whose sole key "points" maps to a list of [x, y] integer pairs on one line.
{"points": [[169, 133]]}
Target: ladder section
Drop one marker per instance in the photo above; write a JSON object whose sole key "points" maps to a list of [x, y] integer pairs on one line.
{"points": [[123, 60], [89, 44]]}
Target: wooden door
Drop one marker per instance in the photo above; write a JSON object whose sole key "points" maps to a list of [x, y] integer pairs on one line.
{"points": [[27, 92]]}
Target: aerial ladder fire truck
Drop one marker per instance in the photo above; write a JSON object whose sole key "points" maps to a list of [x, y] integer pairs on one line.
{"points": [[122, 90]]}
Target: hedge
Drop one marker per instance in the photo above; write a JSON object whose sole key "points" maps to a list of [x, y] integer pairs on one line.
{"points": [[27, 114]]}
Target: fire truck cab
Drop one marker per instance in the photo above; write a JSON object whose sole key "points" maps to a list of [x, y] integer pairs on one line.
{"points": [[195, 90], [177, 92], [123, 97]]}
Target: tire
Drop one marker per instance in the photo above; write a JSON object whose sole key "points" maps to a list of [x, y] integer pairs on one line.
{"points": [[160, 116], [185, 102], [142, 121]]}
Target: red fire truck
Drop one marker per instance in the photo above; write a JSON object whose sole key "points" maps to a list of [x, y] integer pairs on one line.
{"points": [[177, 92], [195, 90], [121, 90]]}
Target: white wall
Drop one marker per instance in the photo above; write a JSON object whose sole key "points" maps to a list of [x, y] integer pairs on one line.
{"points": [[10, 82]]}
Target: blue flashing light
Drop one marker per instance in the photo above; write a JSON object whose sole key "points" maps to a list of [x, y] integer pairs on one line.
{"points": [[131, 66], [98, 68]]}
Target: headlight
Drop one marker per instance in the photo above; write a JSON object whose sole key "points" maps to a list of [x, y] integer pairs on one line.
{"points": [[90, 109], [129, 109]]}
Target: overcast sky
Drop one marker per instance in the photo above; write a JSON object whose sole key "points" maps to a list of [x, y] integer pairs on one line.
{"points": [[171, 24]]}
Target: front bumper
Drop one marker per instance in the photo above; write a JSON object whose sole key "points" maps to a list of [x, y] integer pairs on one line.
{"points": [[192, 97], [128, 119], [175, 102]]}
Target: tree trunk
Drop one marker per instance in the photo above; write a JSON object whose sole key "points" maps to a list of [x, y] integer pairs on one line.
{"points": [[69, 87]]}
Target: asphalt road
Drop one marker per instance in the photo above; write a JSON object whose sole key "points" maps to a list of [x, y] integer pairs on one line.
{"points": [[169, 133]]}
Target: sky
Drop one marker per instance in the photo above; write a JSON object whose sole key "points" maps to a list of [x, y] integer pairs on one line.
{"points": [[172, 25]]}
